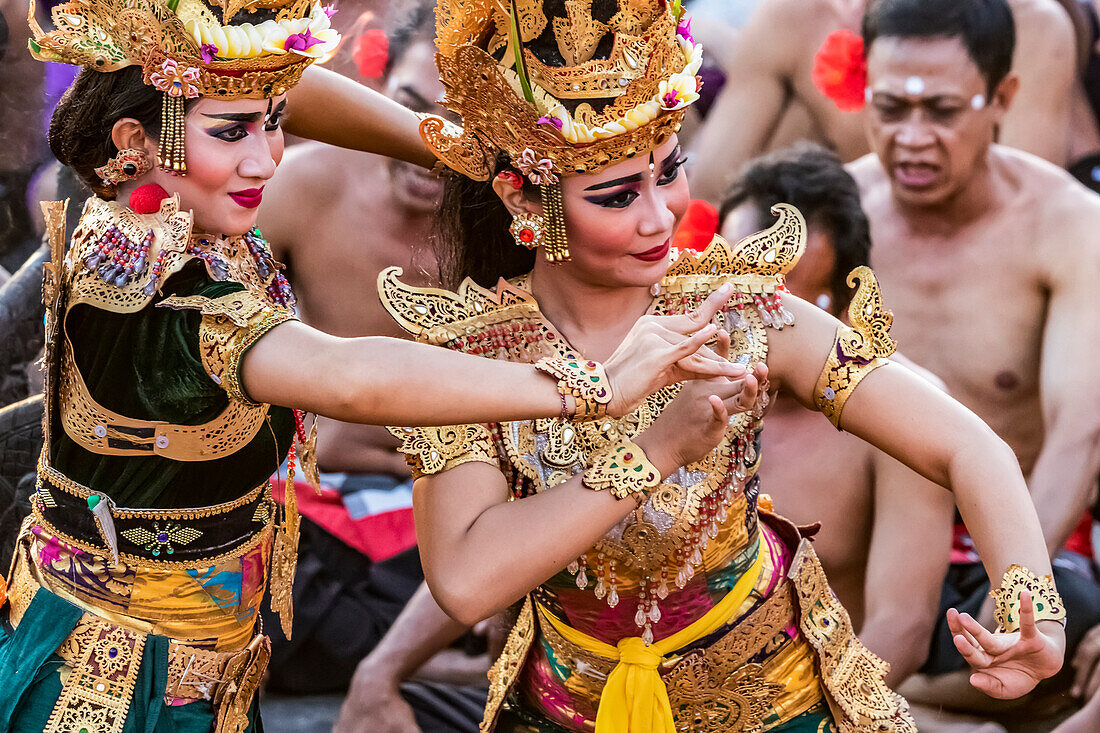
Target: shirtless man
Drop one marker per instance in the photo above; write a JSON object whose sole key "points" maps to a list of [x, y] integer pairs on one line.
{"points": [[873, 510], [338, 218], [770, 100], [989, 258]]}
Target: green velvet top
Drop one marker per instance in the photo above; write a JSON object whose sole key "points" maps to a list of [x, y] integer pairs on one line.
{"points": [[146, 365]]}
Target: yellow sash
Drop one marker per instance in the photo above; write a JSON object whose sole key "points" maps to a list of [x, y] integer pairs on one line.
{"points": [[634, 699]]}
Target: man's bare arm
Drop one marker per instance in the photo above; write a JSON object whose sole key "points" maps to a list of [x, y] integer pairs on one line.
{"points": [[1045, 61], [902, 589], [750, 105], [1061, 482], [419, 633]]}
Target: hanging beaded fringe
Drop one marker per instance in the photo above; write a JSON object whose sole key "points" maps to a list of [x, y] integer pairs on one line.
{"points": [[170, 153], [556, 247]]}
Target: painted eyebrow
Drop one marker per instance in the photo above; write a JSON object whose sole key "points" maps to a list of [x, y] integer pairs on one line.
{"points": [[237, 116], [637, 177]]}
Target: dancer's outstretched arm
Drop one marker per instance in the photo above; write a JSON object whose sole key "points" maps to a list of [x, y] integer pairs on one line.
{"points": [[333, 109], [905, 416], [387, 381]]}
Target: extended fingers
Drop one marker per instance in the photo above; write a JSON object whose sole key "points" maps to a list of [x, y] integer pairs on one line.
{"points": [[721, 414], [1027, 617], [974, 655]]}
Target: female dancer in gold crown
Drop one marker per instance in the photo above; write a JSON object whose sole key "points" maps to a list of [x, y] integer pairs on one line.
{"points": [[658, 592], [133, 596]]}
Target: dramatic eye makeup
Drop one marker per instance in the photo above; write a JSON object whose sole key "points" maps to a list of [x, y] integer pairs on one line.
{"points": [[670, 170], [241, 122], [276, 117]]}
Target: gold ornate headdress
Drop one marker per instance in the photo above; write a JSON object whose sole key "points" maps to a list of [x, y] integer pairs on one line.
{"points": [[190, 48], [559, 94]]}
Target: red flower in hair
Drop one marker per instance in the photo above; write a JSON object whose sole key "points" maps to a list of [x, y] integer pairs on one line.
{"points": [[371, 53], [697, 228], [840, 71]]}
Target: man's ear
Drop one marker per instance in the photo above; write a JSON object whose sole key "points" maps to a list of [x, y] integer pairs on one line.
{"points": [[129, 133], [1006, 92], [517, 201]]}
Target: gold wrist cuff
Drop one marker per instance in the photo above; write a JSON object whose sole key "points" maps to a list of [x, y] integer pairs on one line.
{"points": [[583, 380], [1044, 596], [857, 350], [623, 469]]}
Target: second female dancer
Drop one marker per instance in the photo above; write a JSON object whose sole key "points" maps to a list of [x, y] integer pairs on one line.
{"points": [[657, 591]]}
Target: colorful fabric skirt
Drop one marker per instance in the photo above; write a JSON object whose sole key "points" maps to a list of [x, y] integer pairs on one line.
{"points": [[112, 649]]}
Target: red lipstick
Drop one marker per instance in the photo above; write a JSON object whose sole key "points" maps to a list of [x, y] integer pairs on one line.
{"points": [[249, 198], [655, 254]]}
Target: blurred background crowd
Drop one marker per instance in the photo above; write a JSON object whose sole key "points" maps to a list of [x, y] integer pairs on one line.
{"points": [[988, 255]]}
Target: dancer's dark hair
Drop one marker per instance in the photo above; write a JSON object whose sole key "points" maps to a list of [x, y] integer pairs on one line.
{"points": [[813, 180]]}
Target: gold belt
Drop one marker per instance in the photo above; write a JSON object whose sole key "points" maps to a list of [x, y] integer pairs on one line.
{"points": [[98, 650]]}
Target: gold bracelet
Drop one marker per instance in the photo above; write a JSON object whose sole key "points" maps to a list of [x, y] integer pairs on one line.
{"points": [[623, 469], [1044, 596], [585, 381]]}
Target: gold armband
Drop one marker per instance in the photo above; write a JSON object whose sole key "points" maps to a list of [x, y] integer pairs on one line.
{"points": [[623, 469], [584, 380], [1044, 596], [857, 350]]}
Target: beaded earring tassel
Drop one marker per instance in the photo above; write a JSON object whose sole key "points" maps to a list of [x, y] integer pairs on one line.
{"points": [[170, 153], [556, 247]]}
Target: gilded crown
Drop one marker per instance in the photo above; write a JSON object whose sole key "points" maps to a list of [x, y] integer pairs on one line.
{"points": [[560, 94], [191, 48]]}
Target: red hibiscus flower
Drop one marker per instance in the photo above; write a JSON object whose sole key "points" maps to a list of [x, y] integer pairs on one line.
{"points": [[371, 53], [840, 71], [697, 228]]}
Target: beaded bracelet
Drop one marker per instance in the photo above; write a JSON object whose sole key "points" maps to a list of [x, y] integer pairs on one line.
{"points": [[623, 469], [584, 380], [1044, 595]]}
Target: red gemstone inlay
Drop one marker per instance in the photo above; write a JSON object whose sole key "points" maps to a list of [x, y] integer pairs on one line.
{"points": [[526, 235]]}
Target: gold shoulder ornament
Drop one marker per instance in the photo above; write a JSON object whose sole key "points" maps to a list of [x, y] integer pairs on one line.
{"points": [[857, 350], [432, 450]]}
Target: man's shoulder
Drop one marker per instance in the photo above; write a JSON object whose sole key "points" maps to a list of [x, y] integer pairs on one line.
{"points": [[790, 25], [1049, 191]]}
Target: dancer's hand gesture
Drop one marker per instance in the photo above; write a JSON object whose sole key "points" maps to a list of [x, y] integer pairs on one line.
{"points": [[1008, 665], [662, 350]]}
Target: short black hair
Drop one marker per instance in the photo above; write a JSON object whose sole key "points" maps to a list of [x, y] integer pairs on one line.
{"points": [[985, 27], [813, 180], [414, 24]]}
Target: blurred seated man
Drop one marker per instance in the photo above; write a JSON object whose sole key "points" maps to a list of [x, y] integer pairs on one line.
{"points": [[873, 510], [337, 218], [770, 98], [989, 258]]}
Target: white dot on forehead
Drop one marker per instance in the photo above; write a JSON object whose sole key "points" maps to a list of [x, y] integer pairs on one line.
{"points": [[867, 94], [977, 102], [914, 85]]}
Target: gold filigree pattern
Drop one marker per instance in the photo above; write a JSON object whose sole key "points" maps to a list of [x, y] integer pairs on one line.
{"points": [[858, 350], [624, 470], [102, 431], [505, 670], [436, 449], [108, 35], [97, 691], [586, 381], [852, 674], [230, 325], [1047, 602], [645, 50]]}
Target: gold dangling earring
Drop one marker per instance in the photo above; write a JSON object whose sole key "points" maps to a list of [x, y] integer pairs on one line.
{"points": [[529, 230], [557, 246], [171, 155]]}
